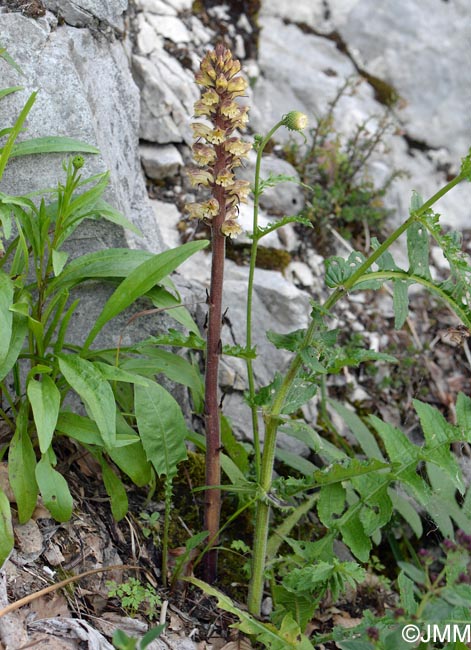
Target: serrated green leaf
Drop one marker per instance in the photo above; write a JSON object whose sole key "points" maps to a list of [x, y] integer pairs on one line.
{"points": [[463, 415], [7, 539], [289, 341], [438, 436], [406, 590], [331, 503], [21, 467], [162, 428], [405, 456], [300, 606], [6, 316], [418, 249], [45, 400], [289, 637], [115, 490], [354, 535], [299, 393], [54, 490], [141, 280], [94, 390], [400, 303]]}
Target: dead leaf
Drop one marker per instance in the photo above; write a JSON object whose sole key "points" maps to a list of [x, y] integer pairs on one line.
{"points": [[29, 542], [46, 607], [241, 644]]}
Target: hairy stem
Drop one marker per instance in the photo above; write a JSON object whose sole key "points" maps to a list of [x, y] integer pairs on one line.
{"points": [[273, 417]]}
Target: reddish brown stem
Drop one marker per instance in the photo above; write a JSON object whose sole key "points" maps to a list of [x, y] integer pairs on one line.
{"points": [[213, 352]]}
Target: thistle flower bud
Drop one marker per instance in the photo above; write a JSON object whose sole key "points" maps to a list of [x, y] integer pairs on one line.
{"points": [[295, 121], [78, 162]]}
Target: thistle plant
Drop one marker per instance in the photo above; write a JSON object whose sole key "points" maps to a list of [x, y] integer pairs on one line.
{"points": [[217, 153]]}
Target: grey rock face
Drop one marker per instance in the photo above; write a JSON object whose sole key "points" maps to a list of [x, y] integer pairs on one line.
{"points": [[160, 162], [86, 13], [85, 91]]}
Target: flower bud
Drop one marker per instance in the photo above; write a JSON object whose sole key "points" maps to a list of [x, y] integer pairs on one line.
{"points": [[78, 162], [295, 121]]}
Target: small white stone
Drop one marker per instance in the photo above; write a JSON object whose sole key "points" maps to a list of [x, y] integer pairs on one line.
{"points": [[157, 7], [300, 274], [160, 161], [170, 27], [147, 39], [180, 5], [167, 216]]}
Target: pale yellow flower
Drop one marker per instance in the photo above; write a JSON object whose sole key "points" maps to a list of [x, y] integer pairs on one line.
{"points": [[203, 154], [199, 177], [225, 178], [231, 228]]}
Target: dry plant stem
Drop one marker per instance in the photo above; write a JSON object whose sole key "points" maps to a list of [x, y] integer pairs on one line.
{"points": [[272, 419], [47, 590], [211, 408]]}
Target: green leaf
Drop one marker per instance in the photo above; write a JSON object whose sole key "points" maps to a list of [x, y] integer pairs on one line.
{"points": [[85, 431], [295, 461], [114, 373], [354, 536], [438, 436], [331, 503], [361, 432], [407, 512], [418, 249], [6, 316], [95, 391], [110, 263], [235, 449], [51, 144], [141, 280], [289, 341], [103, 209], [406, 590], [163, 299], [301, 607], [7, 539], [131, 459], [172, 366], [45, 400], [400, 303], [19, 331], [405, 457], [54, 490], [115, 490], [6, 151], [299, 393], [6, 57], [59, 259], [21, 467], [463, 415], [7, 91], [161, 426], [289, 637]]}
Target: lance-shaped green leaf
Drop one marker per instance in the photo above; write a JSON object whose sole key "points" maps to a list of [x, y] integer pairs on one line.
{"points": [[19, 331], [6, 529], [6, 316], [141, 280], [21, 467], [115, 490], [161, 426], [54, 490], [45, 400], [95, 391], [51, 144], [400, 303]]}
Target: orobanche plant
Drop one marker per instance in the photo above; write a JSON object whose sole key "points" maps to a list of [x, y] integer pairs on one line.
{"points": [[131, 422], [354, 496]]}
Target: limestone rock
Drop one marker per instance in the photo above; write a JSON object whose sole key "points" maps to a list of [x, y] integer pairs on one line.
{"points": [[86, 13], [160, 161]]}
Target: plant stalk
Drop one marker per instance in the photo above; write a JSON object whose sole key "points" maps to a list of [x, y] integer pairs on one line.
{"points": [[272, 418], [211, 407]]}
